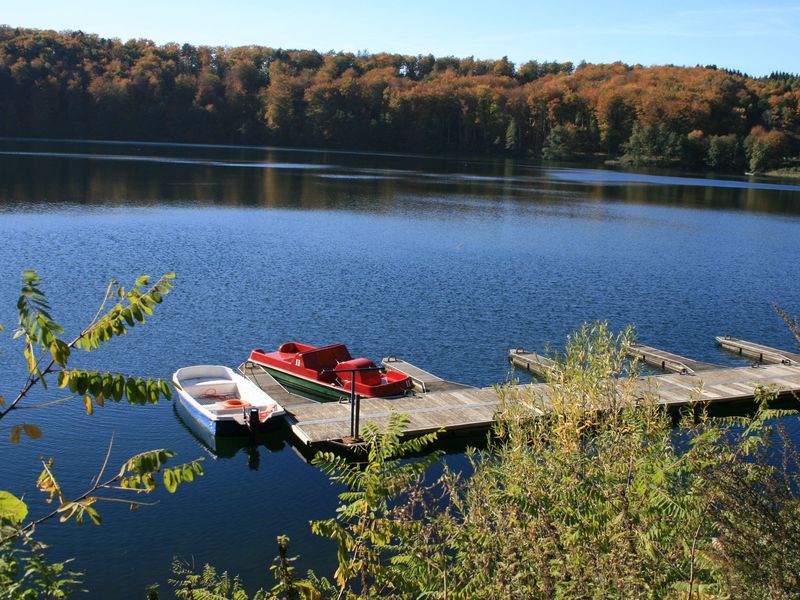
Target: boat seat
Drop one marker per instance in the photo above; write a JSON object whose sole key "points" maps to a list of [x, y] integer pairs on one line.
{"points": [[214, 386], [326, 357]]}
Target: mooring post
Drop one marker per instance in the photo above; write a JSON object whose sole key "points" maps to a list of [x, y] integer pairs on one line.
{"points": [[358, 415], [353, 408], [355, 399]]}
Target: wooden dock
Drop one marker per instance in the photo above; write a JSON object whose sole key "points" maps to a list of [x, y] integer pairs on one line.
{"points": [[667, 361], [453, 410], [424, 382], [759, 352], [456, 408], [259, 375], [531, 361]]}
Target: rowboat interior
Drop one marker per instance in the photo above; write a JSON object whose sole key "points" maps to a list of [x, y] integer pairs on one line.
{"points": [[222, 396]]}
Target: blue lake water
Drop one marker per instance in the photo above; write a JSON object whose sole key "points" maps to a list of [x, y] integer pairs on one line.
{"points": [[444, 262]]}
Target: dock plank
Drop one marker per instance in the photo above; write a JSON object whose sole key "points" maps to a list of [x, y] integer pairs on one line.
{"points": [[423, 380], [532, 362]]}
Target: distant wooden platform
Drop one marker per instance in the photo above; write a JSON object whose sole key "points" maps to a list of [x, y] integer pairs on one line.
{"points": [[667, 361], [541, 365], [463, 408], [759, 352], [722, 385], [531, 361]]}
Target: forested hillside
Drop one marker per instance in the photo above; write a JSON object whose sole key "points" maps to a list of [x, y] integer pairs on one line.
{"points": [[76, 85]]}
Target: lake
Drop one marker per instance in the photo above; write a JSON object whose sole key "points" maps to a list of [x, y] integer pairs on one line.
{"points": [[444, 262]]}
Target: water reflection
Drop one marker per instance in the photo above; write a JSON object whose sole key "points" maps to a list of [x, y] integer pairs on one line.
{"points": [[149, 175]]}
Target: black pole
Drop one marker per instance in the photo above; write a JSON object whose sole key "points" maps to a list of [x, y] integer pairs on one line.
{"points": [[358, 415], [355, 400], [353, 417]]}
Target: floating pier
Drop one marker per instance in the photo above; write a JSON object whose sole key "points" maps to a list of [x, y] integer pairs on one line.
{"points": [[759, 352], [531, 361], [667, 361], [424, 382], [440, 405]]}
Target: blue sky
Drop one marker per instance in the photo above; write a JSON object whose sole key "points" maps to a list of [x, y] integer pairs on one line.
{"points": [[750, 36]]}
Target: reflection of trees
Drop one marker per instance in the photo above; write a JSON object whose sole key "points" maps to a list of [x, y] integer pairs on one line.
{"points": [[340, 181]]}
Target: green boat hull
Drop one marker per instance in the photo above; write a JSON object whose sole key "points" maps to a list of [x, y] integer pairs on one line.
{"points": [[309, 389]]}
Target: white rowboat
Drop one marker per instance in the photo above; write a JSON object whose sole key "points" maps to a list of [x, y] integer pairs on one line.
{"points": [[223, 402]]}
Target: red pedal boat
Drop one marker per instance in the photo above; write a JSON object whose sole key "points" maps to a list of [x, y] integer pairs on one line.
{"points": [[325, 372]]}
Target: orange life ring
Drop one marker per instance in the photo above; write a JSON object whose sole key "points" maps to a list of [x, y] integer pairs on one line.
{"points": [[235, 403], [264, 414]]}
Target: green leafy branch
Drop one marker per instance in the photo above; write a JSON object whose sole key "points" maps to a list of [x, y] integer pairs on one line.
{"points": [[138, 475], [362, 528], [46, 353]]}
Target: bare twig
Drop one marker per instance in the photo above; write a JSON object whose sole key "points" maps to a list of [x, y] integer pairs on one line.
{"points": [[123, 501], [46, 404], [792, 322], [105, 462]]}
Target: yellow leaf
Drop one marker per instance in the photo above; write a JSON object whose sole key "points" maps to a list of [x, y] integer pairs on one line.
{"points": [[2, 400], [15, 433], [32, 431], [87, 402]]}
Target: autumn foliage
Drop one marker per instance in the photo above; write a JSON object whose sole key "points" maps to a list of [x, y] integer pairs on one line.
{"points": [[72, 84]]}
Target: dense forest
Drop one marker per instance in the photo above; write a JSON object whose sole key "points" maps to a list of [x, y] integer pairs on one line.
{"points": [[76, 85]]}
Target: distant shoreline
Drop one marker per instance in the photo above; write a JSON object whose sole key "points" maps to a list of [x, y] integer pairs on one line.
{"points": [[599, 162], [82, 86]]}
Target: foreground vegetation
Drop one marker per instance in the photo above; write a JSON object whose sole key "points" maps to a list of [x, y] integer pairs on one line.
{"points": [[599, 497], [25, 572], [78, 85]]}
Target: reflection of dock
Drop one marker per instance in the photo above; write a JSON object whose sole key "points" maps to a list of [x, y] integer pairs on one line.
{"points": [[438, 404]]}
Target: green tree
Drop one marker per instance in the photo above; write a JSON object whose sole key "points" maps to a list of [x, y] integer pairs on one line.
{"points": [[723, 152], [764, 149], [512, 135], [568, 141], [655, 144]]}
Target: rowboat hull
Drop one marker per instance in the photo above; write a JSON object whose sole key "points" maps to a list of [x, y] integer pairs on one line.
{"points": [[218, 402]]}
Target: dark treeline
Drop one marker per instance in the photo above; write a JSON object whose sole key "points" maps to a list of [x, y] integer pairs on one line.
{"points": [[77, 85]]}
